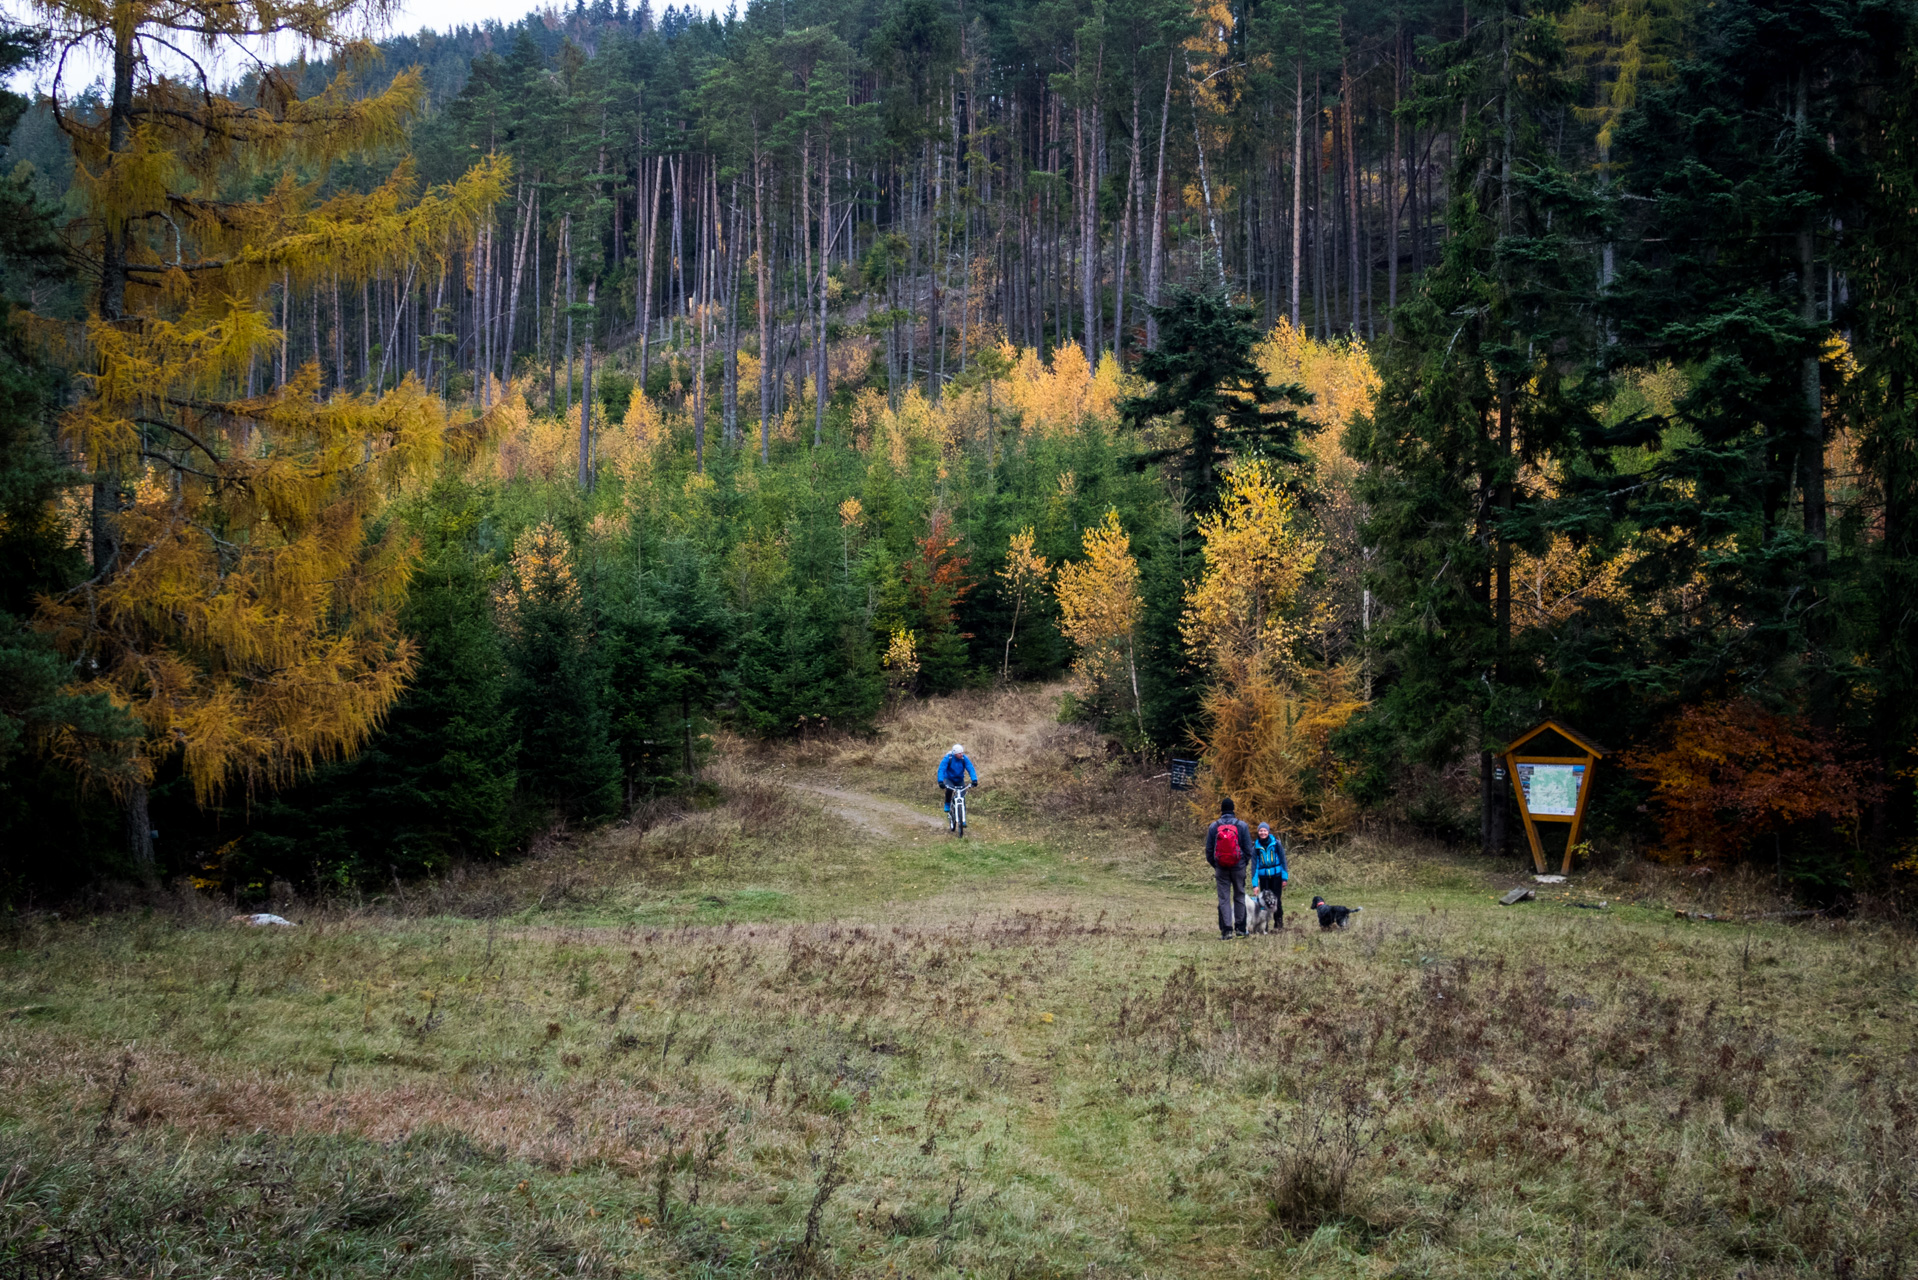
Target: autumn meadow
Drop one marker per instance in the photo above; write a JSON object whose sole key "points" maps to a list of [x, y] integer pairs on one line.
{"points": [[501, 517]]}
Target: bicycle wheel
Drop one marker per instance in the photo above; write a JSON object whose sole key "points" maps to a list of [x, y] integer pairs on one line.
{"points": [[959, 817]]}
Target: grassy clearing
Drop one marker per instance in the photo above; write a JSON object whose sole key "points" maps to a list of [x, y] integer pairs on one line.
{"points": [[754, 1038]]}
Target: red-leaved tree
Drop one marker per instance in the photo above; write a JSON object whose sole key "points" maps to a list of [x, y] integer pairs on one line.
{"points": [[1729, 773], [938, 581]]}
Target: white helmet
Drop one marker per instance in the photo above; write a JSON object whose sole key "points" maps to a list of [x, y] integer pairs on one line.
{"points": [[958, 750]]}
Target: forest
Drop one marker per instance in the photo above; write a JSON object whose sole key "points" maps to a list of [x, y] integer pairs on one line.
{"points": [[438, 443]]}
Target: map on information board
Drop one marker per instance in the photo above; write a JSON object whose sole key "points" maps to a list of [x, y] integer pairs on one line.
{"points": [[1551, 790]]}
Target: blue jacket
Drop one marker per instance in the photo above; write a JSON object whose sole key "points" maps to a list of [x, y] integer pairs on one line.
{"points": [[954, 770], [1268, 858]]}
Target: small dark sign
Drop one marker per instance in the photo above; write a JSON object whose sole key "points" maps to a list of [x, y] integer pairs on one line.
{"points": [[1184, 774]]}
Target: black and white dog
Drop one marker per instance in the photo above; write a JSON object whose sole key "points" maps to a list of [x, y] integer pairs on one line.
{"points": [[1331, 917], [1261, 909]]}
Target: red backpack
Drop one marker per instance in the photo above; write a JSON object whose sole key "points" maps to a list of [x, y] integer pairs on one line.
{"points": [[1225, 848]]}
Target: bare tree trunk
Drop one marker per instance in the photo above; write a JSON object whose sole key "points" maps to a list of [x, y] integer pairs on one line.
{"points": [[1298, 183], [1155, 263], [825, 258], [439, 297], [1812, 453], [679, 236], [482, 312], [733, 257], [804, 229], [567, 236], [1205, 180], [339, 337], [393, 334], [763, 287], [1321, 313], [524, 230], [1352, 189], [1127, 220], [1089, 213], [702, 310], [586, 395], [646, 287]]}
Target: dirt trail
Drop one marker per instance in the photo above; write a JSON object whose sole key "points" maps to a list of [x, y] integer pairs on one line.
{"points": [[869, 813]]}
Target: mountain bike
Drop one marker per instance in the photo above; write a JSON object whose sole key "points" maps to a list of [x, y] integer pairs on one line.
{"points": [[956, 818]]}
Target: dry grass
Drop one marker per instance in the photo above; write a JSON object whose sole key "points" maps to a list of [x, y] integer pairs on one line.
{"points": [[742, 1039]]}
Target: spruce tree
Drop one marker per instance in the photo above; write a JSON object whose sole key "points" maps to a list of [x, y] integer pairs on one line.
{"points": [[436, 783], [555, 688], [1205, 381], [1486, 373]]}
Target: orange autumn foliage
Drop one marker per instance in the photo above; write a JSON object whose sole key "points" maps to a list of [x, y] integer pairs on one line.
{"points": [[1730, 773]]}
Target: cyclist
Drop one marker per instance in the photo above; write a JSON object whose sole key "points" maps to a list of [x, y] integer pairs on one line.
{"points": [[955, 768]]}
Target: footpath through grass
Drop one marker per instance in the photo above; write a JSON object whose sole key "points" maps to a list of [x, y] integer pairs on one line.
{"points": [[754, 1040]]}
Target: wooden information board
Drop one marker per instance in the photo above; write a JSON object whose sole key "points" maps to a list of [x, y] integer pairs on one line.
{"points": [[1551, 770]]}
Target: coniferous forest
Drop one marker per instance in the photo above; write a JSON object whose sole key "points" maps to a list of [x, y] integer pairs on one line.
{"points": [[443, 440]]}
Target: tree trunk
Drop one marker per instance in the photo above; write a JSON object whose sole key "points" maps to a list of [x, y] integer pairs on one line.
{"points": [[1155, 265], [520, 240], [762, 281], [1127, 220], [1392, 190], [733, 256], [646, 288], [1298, 184], [566, 234], [825, 259], [1205, 179], [138, 822], [1358, 267], [1812, 452], [586, 395]]}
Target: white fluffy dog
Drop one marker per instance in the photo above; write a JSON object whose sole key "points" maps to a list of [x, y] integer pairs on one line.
{"points": [[1260, 908]]}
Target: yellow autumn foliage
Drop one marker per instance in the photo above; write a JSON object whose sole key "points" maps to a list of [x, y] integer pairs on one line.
{"points": [[1025, 574], [250, 621], [1267, 745], [1099, 611], [1238, 614], [1268, 718], [1340, 375], [540, 572], [1033, 395], [241, 607]]}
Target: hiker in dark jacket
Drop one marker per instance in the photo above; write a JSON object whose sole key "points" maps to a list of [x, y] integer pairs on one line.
{"points": [[1228, 867], [1269, 870]]}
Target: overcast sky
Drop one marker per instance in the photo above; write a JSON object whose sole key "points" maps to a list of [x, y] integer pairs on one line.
{"points": [[412, 16]]}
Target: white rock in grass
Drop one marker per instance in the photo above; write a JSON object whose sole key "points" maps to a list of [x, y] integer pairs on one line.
{"points": [[262, 918], [1549, 879]]}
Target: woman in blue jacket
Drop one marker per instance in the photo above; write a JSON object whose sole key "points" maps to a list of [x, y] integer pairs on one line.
{"points": [[1268, 869]]}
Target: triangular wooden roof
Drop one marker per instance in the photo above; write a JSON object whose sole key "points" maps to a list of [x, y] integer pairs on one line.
{"points": [[1555, 726]]}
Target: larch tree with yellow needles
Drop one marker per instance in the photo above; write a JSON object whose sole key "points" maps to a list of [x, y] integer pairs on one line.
{"points": [[1268, 720], [242, 606], [1025, 574], [1099, 611]]}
